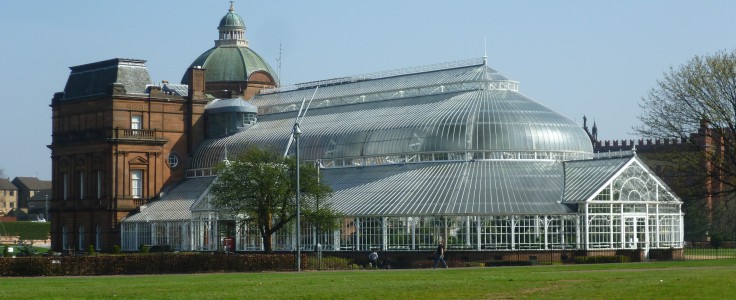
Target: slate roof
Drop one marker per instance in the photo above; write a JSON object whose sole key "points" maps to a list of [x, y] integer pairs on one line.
{"points": [[96, 78], [7, 185], [32, 183]]}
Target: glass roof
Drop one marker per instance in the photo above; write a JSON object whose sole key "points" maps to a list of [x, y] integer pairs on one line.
{"points": [[449, 188], [411, 82], [585, 177], [175, 204], [481, 120], [629, 177]]}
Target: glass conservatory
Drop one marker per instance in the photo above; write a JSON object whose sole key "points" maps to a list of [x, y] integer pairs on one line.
{"points": [[451, 151]]}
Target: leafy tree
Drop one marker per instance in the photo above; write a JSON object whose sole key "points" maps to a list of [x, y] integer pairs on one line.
{"points": [[696, 102], [259, 188]]}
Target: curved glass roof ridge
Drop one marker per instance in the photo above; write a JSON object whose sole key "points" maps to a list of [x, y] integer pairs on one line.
{"points": [[479, 61], [504, 122], [460, 76]]}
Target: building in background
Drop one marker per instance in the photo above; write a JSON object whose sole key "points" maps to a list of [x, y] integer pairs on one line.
{"points": [[681, 163], [29, 187], [8, 196]]}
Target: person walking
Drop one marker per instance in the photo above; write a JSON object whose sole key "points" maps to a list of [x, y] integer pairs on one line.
{"points": [[373, 258], [439, 254]]}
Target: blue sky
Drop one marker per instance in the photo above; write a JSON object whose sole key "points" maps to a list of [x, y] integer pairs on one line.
{"points": [[594, 58]]}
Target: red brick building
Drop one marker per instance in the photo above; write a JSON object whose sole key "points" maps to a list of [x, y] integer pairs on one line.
{"points": [[118, 140]]}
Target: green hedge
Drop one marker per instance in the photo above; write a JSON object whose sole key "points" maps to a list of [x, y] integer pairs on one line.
{"points": [[161, 263], [601, 259], [27, 230]]}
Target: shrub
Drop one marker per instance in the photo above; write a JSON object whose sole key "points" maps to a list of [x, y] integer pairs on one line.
{"points": [[116, 249], [144, 249], [27, 250], [161, 248], [163, 263], [601, 259], [91, 250], [507, 263], [329, 263]]}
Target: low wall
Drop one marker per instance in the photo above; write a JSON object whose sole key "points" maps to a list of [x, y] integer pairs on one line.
{"points": [[425, 259]]}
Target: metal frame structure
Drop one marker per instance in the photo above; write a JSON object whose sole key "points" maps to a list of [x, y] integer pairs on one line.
{"points": [[451, 152]]}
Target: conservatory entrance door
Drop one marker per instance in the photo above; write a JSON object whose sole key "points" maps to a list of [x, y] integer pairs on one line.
{"points": [[635, 232]]}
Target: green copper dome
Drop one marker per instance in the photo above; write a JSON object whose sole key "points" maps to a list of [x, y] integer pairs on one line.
{"points": [[230, 60], [230, 63], [231, 19]]}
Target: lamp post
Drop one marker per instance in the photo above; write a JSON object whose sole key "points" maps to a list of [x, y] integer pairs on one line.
{"points": [[297, 132]]}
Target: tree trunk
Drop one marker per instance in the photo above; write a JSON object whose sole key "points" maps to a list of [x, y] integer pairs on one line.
{"points": [[267, 234], [267, 245]]}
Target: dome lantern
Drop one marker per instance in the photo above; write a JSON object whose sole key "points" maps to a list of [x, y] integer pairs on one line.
{"points": [[232, 29]]}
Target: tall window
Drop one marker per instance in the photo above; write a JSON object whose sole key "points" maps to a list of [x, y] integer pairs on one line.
{"points": [[135, 121], [99, 184], [98, 238], [81, 185], [64, 238], [81, 237], [136, 183], [65, 185]]}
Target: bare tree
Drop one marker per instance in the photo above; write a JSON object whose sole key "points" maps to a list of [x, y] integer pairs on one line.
{"points": [[696, 102]]}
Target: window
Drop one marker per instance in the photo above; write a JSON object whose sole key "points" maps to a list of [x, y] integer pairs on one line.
{"points": [[12, 193], [135, 121], [136, 183], [173, 160], [99, 184], [65, 186], [81, 185], [81, 237], [64, 238], [98, 238]]}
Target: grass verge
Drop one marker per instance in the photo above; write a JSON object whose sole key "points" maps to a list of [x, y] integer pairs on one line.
{"points": [[675, 280]]}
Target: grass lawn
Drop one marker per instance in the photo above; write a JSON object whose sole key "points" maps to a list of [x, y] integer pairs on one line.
{"points": [[711, 279], [26, 230]]}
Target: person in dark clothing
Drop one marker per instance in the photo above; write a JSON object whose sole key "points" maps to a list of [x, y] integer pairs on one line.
{"points": [[439, 255], [373, 258]]}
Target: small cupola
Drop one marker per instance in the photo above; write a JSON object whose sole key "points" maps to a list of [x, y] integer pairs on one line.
{"points": [[229, 116], [232, 29]]}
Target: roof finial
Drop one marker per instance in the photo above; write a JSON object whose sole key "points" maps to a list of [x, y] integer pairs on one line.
{"points": [[485, 51], [232, 6]]}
